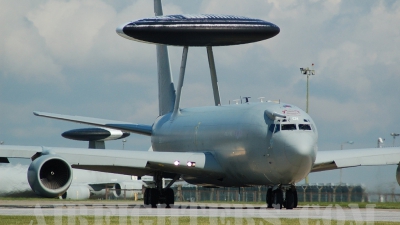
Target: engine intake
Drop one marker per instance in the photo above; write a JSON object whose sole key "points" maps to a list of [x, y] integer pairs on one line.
{"points": [[49, 176]]}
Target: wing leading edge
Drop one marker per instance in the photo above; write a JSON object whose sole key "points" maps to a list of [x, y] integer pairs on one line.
{"points": [[137, 163], [336, 159], [119, 125]]}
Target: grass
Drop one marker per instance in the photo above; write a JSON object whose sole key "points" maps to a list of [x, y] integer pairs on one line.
{"points": [[9, 220]]}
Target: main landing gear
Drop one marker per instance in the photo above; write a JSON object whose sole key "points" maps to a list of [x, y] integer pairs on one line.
{"points": [[276, 198], [160, 195]]}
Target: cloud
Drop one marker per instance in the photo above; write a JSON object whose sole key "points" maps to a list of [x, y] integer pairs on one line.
{"points": [[22, 53], [69, 28]]}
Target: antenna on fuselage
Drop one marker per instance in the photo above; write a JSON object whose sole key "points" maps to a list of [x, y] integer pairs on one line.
{"points": [[380, 142], [247, 99]]}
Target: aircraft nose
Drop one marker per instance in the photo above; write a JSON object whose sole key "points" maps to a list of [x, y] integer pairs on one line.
{"points": [[300, 150]]}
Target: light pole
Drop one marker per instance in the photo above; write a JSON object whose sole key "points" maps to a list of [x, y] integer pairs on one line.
{"points": [[123, 143], [394, 135], [341, 148], [346, 142], [307, 72]]}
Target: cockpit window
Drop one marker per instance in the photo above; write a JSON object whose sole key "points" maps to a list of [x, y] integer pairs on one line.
{"points": [[277, 128], [304, 127], [289, 127]]}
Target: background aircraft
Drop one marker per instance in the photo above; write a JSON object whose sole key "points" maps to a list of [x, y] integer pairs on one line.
{"points": [[85, 184], [324, 105]]}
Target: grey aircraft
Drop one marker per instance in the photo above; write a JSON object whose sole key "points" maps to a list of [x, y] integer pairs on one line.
{"points": [[266, 143]]}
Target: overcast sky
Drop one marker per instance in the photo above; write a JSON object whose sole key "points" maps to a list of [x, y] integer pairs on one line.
{"points": [[65, 57]]}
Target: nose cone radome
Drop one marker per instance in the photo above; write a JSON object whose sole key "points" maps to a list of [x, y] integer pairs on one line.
{"points": [[300, 150]]}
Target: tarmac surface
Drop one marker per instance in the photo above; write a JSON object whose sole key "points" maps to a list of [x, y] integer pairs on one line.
{"points": [[193, 210]]}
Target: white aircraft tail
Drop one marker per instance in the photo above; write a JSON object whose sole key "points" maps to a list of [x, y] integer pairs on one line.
{"points": [[166, 89]]}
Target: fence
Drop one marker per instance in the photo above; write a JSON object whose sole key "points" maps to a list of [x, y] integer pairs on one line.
{"points": [[305, 193]]}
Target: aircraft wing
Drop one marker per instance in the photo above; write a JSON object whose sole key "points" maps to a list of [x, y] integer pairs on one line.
{"points": [[119, 125], [336, 159], [127, 162]]}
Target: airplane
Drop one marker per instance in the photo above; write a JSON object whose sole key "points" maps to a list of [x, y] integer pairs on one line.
{"points": [[85, 184], [265, 143]]}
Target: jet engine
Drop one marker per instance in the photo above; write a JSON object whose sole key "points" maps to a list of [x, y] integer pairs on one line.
{"points": [[49, 176], [127, 189], [398, 174], [77, 192]]}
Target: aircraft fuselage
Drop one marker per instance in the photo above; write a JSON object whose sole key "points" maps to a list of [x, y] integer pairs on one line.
{"points": [[251, 147]]}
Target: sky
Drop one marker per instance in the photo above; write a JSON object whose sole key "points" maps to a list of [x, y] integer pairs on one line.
{"points": [[65, 57]]}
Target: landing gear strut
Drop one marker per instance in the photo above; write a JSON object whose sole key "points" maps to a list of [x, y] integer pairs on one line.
{"points": [[275, 198], [160, 195]]}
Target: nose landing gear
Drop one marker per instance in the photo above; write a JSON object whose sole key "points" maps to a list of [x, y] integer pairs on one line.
{"points": [[276, 199]]}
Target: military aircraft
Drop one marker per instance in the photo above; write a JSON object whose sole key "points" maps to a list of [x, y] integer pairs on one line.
{"points": [[266, 143], [85, 184]]}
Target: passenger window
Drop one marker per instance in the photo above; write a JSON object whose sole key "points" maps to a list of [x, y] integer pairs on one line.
{"points": [[304, 127], [288, 126]]}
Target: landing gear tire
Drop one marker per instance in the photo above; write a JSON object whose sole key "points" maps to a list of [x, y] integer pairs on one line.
{"points": [[146, 196], [277, 200], [269, 198], [159, 195], [296, 200], [153, 197], [289, 199], [169, 197]]}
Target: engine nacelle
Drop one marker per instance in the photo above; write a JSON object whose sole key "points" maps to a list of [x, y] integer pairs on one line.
{"points": [[49, 176], [398, 174], [127, 189], [77, 192]]}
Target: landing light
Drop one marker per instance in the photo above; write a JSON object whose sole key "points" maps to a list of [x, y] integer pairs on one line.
{"points": [[191, 164], [176, 163]]}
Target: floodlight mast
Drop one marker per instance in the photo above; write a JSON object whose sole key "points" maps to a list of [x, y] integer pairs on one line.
{"points": [[394, 135], [307, 72]]}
